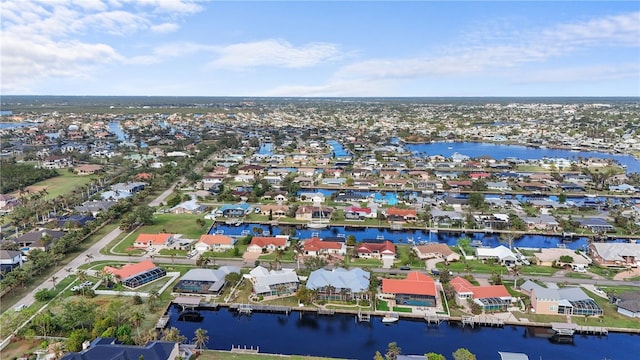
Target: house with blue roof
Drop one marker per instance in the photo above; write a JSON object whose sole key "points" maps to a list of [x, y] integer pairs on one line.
{"points": [[234, 210], [110, 349], [340, 284]]}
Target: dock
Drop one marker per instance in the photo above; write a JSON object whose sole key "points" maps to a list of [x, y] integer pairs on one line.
{"points": [[592, 330], [482, 321], [325, 311], [364, 316], [162, 322], [433, 319], [249, 308], [245, 349]]}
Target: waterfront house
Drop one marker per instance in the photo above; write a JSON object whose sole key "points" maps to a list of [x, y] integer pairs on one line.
{"points": [[541, 222], [204, 281], [436, 250], [596, 224], [215, 243], [317, 247], [234, 210], [135, 275], [267, 283], [417, 289], [358, 213], [560, 301], [309, 212], [316, 197], [111, 349], [628, 303], [501, 254], [615, 254], [339, 284], [260, 244], [489, 298], [157, 241], [273, 210], [548, 257], [384, 250], [9, 260], [396, 215], [498, 185]]}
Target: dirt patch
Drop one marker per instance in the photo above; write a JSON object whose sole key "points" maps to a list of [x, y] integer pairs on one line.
{"points": [[627, 274], [18, 348]]}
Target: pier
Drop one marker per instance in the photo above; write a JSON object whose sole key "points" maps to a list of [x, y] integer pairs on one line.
{"points": [[245, 349], [325, 311], [433, 319], [482, 321], [364, 316], [249, 308], [162, 322]]}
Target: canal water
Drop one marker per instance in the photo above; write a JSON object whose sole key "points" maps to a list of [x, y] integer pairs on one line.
{"points": [[405, 236], [341, 336]]}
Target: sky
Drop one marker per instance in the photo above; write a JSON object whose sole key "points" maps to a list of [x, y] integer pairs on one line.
{"points": [[319, 48]]}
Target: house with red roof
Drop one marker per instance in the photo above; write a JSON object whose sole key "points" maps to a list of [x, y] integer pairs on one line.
{"points": [[317, 247], [135, 275], [395, 215], [267, 243], [417, 289], [215, 243], [157, 241], [377, 250], [490, 298], [357, 213]]}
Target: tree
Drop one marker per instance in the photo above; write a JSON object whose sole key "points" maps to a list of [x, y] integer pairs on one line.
{"points": [[53, 280], [201, 339], [153, 298], [476, 200], [172, 334], [434, 356], [393, 350], [463, 354]]}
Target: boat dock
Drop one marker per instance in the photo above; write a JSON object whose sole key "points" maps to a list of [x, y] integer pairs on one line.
{"points": [[245, 349], [433, 319], [325, 311], [162, 322], [249, 308], [364, 316], [569, 329], [482, 321]]}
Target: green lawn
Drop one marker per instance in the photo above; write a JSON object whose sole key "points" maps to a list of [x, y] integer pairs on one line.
{"points": [[402, 309], [382, 305], [62, 184], [287, 256]]}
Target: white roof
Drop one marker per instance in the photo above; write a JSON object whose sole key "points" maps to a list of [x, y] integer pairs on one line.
{"points": [[501, 252], [356, 279]]}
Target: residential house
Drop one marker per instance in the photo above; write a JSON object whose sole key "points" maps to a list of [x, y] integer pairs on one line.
{"points": [[551, 256], [7, 202], [436, 250], [94, 207], [417, 289], [234, 210], [123, 190], [188, 207], [157, 241], [268, 283], [615, 254], [9, 260], [340, 284], [56, 162], [87, 169], [498, 185], [204, 281], [560, 301], [501, 254], [136, 275], [596, 225], [377, 250], [358, 213], [309, 212], [489, 298], [260, 244], [317, 247], [112, 349], [541, 222], [215, 243], [38, 239], [396, 215], [628, 303], [275, 211], [316, 197]]}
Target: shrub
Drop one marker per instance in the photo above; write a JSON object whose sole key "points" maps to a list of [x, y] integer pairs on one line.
{"points": [[137, 300], [45, 295]]}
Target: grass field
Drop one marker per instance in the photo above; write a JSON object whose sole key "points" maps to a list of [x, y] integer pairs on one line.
{"points": [[62, 184]]}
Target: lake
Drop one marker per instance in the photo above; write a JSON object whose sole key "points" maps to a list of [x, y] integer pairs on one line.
{"points": [[341, 336]]}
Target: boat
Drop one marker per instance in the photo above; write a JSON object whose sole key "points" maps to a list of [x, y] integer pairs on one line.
{"points": [[476, 243], [317, 225], [390, 318], [321, 223]]}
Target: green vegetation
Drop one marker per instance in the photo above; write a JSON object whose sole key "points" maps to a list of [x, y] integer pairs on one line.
{"points": [[16, 176]]}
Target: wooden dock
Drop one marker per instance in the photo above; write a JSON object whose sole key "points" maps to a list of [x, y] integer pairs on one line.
{"points": [[363, 316], [591, 330], [482, 321], [433, 319], [162, 322], [245, 349], [325, 311], [249, 308]]}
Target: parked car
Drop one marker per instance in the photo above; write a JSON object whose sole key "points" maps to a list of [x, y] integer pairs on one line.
{"points": [[405, 267], [20, 307]]}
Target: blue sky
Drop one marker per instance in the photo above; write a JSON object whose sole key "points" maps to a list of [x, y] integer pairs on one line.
{"points": [[313, 48]]}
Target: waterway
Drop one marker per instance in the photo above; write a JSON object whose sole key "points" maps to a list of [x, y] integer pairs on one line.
{"points": [[501, 152], [407, 236], [14, 125], [341, 336]]}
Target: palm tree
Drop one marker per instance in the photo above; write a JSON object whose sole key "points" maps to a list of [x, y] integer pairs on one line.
{"points": [[153, 298], [393, 351], [201, 339], [88, 257], [53, 281], [172, 334], [136, 318]]}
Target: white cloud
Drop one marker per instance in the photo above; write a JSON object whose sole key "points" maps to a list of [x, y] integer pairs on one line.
{"points": [[580, 74], [273, 52], [39, 38], [165, 28]]}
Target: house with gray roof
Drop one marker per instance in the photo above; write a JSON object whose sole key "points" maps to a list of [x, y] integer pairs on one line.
{"points": [[501, 254], [340, 284], [204, 281], [267, 283], [110, 349], [615, 254], [94, 207], [560, 301], [628, 304]]}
